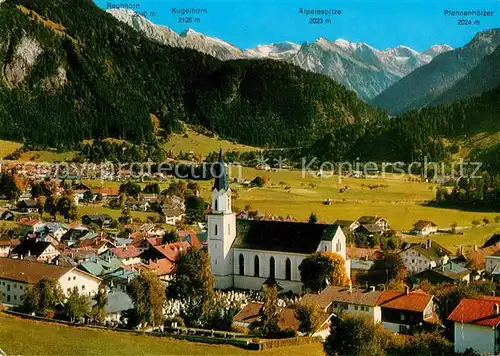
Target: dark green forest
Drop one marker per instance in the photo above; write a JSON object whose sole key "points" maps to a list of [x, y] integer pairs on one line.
{"points": [[115, 78]]}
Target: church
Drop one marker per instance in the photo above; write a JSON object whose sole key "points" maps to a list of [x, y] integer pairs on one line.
{"points": [[246, 253]]}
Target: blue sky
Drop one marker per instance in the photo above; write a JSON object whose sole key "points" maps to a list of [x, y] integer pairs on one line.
{"points": [[387, 23]]}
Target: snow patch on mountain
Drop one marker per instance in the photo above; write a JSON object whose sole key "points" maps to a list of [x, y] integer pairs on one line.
{"points": [[358, 66]]}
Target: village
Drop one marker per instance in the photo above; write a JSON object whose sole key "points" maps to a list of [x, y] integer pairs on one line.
{"points": [[311, 274]]}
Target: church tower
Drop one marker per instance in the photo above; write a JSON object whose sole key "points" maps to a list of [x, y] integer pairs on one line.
{"points": [[221, 228]]}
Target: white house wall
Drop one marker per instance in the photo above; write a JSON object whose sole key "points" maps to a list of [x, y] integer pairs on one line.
{"points": [[479, 338], [86, 284]]}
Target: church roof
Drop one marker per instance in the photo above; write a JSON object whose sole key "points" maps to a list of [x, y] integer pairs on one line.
{"points": [[282, 236], [220, 174]]}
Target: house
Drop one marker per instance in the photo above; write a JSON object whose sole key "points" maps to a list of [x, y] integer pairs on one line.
{"points": [[129, 255], [419, 257], [102, 220], [492, 241], [424, 228], [42, 251], [172, 215], [120, 279], [360, 270], [16, 275], [382, 223], [169, 251], [403, 310], [28, 206], [447, 272], [97, 244], [492, 264], [6, 246], [347, 225], [98, 266], [476, 258], [349, 300], [286, 318], [118, 301], [73, 235], [246, 253], [477, 325], [368, 254], [368, 230], [30, 225]]}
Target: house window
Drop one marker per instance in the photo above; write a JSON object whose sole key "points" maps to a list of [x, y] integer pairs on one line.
{"points": [[402, 317], [74, 277], [229, 229], [326, 248], [335, 305], [355, 307], [272, 267], [288, 269], [69, 278], [242, 264], [216, 205], [8, 287], [216, 230], [256, 266], [83, 287]]}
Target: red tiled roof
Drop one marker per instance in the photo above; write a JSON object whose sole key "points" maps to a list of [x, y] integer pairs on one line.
{"points": [[184, 233], [126, 251], [477, 258], [161, 267], [172, 250], [477, 311], [106, 191], [29, 222], [363, 253], [12, 243], [413, 301]]}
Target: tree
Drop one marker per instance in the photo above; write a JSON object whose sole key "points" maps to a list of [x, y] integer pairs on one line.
{"points": [[50, 206], [321, 268], [258, 182], [148, 295], [64, 205], [423, 343], [9, 186], [130, 188], [476, 223], [309, 316], [269, 313], [313, 219], [195, 209], [388, 268], [153, 188], [192, 277], [170, 236], [454, 227], [497, 219], [88, 196], [356, 336], [486, 221], [77, 305], [42, 297], [98, 311]]}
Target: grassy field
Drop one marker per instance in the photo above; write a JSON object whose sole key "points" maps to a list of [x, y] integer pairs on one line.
{"points": [[47, 156], [201, 144], [23, 337], [395, 197], [7, 147]]}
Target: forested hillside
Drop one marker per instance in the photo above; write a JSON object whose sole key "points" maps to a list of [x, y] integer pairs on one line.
{"points": [[71, 71], [417, 133], [484, 77]]}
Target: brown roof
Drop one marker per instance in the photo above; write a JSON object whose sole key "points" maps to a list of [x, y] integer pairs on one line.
{"points": [[364, 253], [286, 318], [477, 311], [413, 301], [126, 251], [422, 224], [172, 250], [14, 242], [29, 271], [477, 258], [333, 294]]}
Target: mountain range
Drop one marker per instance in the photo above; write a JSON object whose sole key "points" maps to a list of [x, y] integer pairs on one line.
{"points": [[358, 66], [70, 71], [427, 84]]}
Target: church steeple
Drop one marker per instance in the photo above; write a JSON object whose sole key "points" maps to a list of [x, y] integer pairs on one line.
{"points": [[220, 182]]}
